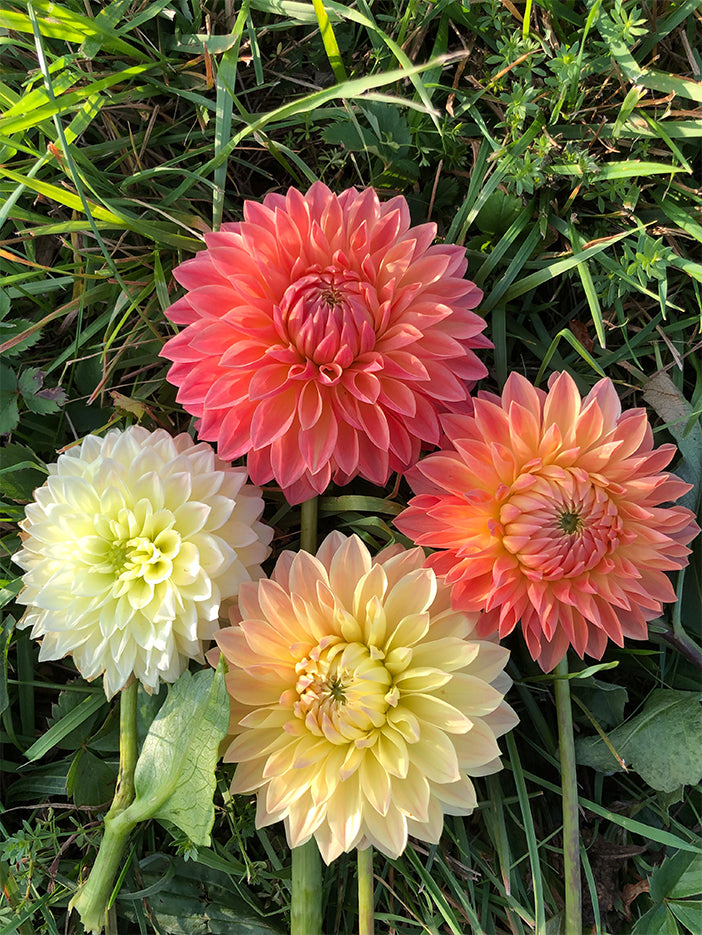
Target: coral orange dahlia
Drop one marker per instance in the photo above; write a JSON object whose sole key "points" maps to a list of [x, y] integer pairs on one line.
{"points": [[549, 510], [361, 702], [323, 337]]}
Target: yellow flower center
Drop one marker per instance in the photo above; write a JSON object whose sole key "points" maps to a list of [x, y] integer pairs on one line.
{"points": [[343, 691], [135, 548], [143, 558]]}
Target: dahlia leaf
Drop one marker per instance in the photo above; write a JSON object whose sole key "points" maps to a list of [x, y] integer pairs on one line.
{"points": [[663, 743], [175, 773]]}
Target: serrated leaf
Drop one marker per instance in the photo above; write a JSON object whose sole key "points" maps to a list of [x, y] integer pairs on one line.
{"points": [[12, 331], [9, 414], [175, 773], [8, 381], [663, 743], [38, 399]]}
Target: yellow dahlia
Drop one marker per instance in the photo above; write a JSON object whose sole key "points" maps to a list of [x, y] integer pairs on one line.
{"points": [[130, 547], [361, 702]]}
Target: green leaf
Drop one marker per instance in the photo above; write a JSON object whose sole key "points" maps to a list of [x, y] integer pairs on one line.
{"points": [[604, 701], [175, 773], [38, 399], [663, 743], [67, 702], [190, 898], [657, 921], [18, 475], [9, 413], [6, 630], [90, 780], [41, 784], [688, 912], [86, 709], [677, 877], [498, 213]]}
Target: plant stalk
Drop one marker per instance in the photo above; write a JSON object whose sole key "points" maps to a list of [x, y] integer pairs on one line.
{"points": [[306, 902], [128, 749], [308, 525], [366, 924], [569, 786], [92, 899]]}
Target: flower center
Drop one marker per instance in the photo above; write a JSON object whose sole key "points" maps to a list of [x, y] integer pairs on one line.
{"points": [[342, 692], [570, 522], [144, 559], [559, 523], [134, 549], [327, 315]]}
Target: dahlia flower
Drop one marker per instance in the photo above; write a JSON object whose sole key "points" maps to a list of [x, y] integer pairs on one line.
{"points": [[548, 511], [323, 336], [361, 702], [130, 547]]}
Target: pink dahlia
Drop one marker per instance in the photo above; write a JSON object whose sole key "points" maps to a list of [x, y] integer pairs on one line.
{"points": [[549, 510], [324, 336]]}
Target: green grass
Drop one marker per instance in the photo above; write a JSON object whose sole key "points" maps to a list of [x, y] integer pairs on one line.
{"points": [[564, 152]]}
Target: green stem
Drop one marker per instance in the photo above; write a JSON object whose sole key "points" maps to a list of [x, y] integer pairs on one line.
{"points": [[306, 904], [308, 525], [92, 899], [569, 785], [366, 924], [128, 749]]}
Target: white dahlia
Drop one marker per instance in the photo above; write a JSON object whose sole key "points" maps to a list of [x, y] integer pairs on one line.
{"points": [[130, 548]]}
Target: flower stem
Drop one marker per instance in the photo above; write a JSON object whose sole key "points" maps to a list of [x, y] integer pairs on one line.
{"points": [[91, 901], [308, 525], [366, 924], [128, 749], [306, 904], [569, 785]]}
